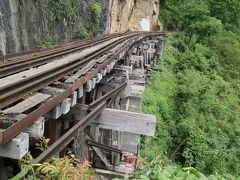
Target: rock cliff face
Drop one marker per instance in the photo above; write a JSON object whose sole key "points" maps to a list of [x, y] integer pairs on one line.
{"points": [[134, 15], [28, 24]]}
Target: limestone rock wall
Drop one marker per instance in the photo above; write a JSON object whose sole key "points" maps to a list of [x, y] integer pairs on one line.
{"points": [[134, 15], [26, 24]]}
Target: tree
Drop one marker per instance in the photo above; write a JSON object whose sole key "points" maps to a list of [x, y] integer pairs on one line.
{"points": [[227, 11]]}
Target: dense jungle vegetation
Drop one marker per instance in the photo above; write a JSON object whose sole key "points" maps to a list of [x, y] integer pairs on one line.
{"points": [[196, 95]]}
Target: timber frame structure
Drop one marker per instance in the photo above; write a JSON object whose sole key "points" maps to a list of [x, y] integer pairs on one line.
{"points": [[95, 110]]}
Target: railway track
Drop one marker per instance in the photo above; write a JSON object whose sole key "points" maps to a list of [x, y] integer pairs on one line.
{"points": [[35, 85], [14, 63], [47, 69], [36, 52], [13, 91]]}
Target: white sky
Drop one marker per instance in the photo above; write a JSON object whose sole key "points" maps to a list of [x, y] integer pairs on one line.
{"points": [[145, 24]]}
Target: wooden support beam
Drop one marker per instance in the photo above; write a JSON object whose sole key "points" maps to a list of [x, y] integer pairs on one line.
{"points": [[80, 92], [103, 158], [16, 148], [125, 121], [27, 103], [53, 130], [88, 86], [35, 131], [133, 90]]}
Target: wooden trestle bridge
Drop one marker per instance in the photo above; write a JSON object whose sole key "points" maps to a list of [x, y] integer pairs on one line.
{"points": [[83, 95]]}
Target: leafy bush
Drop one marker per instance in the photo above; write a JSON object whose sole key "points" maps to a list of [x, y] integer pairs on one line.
{"points": [[156, 170], [67, 167], [68, 9], [48, 43], [95, 15], [64, 168], [84, 34]]}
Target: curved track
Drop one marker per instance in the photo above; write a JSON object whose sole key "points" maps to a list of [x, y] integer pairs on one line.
{"points": [[12, 90], [24, 62]]}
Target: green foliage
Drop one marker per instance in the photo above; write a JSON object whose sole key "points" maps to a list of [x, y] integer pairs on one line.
{"points": [[227, 45], [69, 12], [48, 43], [95, 15], [191, 18], [42, 144], [67, 167], [227, 11], [59, 9], [84, 34], [155, 170], [196, 96], [26, 163], [64, 168], [197, 111]]}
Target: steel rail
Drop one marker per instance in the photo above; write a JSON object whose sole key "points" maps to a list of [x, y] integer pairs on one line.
{"points": [[35, 52], [27, 55], [35, 59], [24, 64], [16, 91], [20, 88], [51, 51], [64, 140], [60, 49], [67, 137], [106, 96], [7, 134]]}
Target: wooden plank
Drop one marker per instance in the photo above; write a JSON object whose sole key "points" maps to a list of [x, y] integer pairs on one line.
{"points": [[133, 90], [54, 64], [6, 120], [129, 142], [81, 72], [35, 131], [103, 158], [86, 68], [27, 104], [103, 58], [114, 173], [125, 121], [52, 90]]}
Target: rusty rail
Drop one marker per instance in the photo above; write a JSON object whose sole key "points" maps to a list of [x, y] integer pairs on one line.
{"points": [[25, 63], [16, 91], [64, 140], [36, 52], [109, 94], [7, 134]]}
